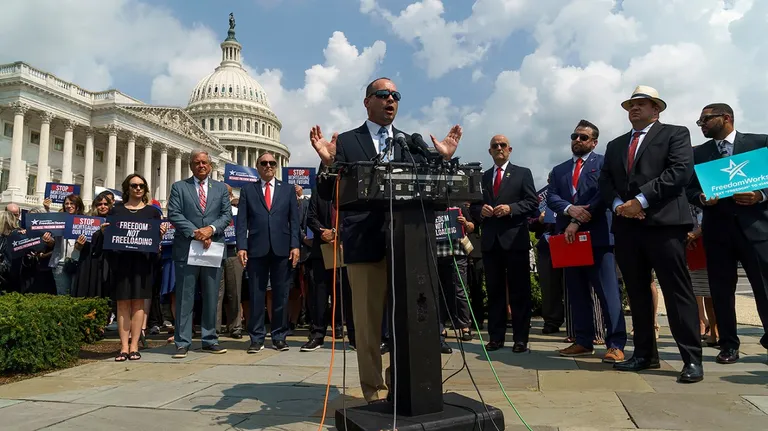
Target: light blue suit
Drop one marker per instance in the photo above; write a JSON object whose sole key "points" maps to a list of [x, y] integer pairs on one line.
{"points": [[187, 215]]}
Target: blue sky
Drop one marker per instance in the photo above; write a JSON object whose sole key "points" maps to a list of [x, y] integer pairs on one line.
{"points": [[528, 69]]}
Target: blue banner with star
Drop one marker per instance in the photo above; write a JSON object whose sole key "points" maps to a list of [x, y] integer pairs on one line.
{"points": [[238, 176], [740, 173]]}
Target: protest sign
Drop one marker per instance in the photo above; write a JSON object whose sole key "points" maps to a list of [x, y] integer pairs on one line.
{"points": [[549, 215], [229, 232], [57, 192], [305, 177], [82, 225], [170, 233], [132, 235], [745, 172], [238, 176], [22, 244], [447, 223], [40, 223]]}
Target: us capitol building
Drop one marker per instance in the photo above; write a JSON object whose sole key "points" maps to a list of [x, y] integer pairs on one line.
{"points": [[53, 130]]}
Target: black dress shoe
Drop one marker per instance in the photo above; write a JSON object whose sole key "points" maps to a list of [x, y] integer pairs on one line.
{"points": [[691, 373], [384, 348], [312, 345], [236, 334], [279, 345], [549, 330], [445, 348], [637, 364], [728, 356], [494, 345], [215, 348], [519, 347]]}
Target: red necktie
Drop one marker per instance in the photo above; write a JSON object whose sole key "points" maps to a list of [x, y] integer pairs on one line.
{"points": [[497, 182], [576, 173], [201, 195], [268, 197], [633, 150]]}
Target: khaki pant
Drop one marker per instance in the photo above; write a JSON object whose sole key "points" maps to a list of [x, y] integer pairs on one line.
{"points": [[368, 283]]}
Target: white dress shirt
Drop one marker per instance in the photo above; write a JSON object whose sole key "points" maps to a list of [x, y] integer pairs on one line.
{"points": [[640, 197], [271, 190], [373, 129], [584, 159], [207, 192]]}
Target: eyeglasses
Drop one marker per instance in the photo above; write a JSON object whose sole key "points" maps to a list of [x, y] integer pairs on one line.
{"points": [[580, 136], [501, 145], [383, 94], [137, 186], [270, 163], [705, 119]]}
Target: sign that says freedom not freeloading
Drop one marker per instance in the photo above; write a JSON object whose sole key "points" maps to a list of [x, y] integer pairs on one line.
{"points": [[740, 173]]}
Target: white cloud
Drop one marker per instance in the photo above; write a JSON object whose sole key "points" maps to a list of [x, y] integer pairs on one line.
{"points": [[477, 75], [588, 58]]}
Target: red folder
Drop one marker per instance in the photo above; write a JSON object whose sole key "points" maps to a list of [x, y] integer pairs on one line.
{"points": [[695, 256], [578, 253]]}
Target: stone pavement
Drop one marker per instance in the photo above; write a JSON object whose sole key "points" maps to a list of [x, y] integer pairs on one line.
{"points": [[284, 391]]}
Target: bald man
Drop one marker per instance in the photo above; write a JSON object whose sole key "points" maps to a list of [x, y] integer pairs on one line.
{"points": [[509, 198], [14, 209]]}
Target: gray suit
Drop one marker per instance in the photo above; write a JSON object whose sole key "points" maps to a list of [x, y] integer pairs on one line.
{"points": [[187, 215]]}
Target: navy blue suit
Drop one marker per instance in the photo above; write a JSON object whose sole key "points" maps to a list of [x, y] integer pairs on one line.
{"points": [[602, 275], [268, 235]]}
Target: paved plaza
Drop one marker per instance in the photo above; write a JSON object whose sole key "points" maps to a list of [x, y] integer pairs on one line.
{"points": [[284, 391]]}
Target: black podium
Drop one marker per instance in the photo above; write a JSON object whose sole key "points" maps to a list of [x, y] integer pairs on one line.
{"points": [[416, 358]]}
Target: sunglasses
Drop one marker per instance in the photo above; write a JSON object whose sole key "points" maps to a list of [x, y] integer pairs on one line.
{"points": [[137, 186], [384, 94], [580, 136], [705, 119], [270, 163], [497, 146]]}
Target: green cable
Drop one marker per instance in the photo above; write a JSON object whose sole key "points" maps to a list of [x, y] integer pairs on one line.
{"points": [[477, 328]]}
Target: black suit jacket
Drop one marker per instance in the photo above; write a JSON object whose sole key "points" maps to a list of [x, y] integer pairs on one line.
{"points": [[363, 233], [318, 218], [517, 191], [753, 219], [662, 169]]}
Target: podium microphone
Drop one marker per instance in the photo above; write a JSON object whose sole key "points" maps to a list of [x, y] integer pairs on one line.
{"points": [[387, 147], [400, 140], [418, 146]]}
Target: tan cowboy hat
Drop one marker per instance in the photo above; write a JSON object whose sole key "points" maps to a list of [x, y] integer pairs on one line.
{"points": [[645, 92]]}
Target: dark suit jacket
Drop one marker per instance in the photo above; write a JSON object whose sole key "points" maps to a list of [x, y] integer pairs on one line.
{"points": [[661, 171], [259, 230], [587, 193], [363, 233], [303, 206], [517, 191], [318, 218], [753, 219], [186, 214]]}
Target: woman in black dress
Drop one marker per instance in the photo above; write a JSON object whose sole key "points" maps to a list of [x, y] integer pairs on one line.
{"points": [[132, 273], [92, 270]]}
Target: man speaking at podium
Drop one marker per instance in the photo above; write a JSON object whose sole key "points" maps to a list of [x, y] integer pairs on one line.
{"points": [[364, 236]]}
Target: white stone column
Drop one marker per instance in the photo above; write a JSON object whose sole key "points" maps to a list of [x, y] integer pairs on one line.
{"points": [[66, 161], [189, 169], [15, 179], [42, 155], [163, 194], [111, 155], [245, 157], [88, 185], [176, 166], [148, 163], [130, 154]]}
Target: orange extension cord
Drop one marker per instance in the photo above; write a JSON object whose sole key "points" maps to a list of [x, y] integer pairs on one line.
{"points": [[333, 304]]}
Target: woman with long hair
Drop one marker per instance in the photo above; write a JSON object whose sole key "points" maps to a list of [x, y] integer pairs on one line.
{"points": [[65, 256], [132, 273], [92, 269]]}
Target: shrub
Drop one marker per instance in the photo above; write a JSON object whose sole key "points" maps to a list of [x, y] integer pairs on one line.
{"points": [[40, 332]]}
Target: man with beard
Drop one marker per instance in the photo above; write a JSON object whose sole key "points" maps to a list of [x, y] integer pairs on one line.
{"points": [[643, 182], [733, 229], [573, 195]]}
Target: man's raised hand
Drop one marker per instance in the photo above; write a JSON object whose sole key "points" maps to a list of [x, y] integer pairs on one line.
{"points": [[447, 147], [326, 150]]}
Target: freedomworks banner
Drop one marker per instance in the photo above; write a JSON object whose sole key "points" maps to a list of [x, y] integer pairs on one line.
{"points": [[305, 177], [745, 172]]}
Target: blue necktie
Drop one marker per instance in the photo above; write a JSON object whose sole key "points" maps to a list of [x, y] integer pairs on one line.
{"points": [[383, 135], [722, 147]]}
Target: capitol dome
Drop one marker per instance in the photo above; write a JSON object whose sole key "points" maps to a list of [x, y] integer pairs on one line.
{"points": [[234, 107]]}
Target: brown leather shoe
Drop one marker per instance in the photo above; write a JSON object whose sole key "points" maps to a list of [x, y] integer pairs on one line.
{"points": [[613, 355], [576, 350]]}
